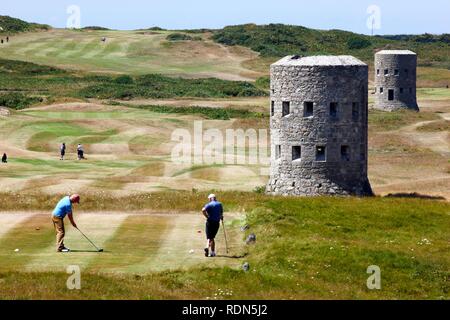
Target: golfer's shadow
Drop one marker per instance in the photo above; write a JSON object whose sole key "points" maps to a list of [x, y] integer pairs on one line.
{"points": [[86, 251], [231, 256]]}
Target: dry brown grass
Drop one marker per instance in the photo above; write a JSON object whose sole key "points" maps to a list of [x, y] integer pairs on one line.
{"points": [[436, 126]]}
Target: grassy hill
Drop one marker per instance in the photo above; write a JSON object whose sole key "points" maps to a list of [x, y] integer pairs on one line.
{"points": [[241, 52], [276, 40], [14, 25]]}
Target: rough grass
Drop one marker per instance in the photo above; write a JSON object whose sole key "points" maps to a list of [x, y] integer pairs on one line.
{"points": [[385, 121], [23, 84], [436, 126], [207, 112], [307, 248]]}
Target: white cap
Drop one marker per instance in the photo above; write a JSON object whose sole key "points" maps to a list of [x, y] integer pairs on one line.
{"points": [[211, 196]]}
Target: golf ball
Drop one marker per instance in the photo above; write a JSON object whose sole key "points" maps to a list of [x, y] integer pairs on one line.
{"points": [[17, 250], [191, 251]]}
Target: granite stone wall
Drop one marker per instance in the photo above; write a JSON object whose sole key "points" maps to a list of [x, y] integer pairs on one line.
{"points": [[319, 109]]}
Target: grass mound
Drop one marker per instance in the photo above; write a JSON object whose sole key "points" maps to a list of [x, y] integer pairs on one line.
{"points": [[12, 25]]}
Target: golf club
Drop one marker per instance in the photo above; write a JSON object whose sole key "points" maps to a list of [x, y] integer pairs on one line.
{"points": [[225, 234], [99, 250]]}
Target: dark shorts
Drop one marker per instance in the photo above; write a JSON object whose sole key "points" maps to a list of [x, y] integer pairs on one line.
{"points": [[212, 227]]}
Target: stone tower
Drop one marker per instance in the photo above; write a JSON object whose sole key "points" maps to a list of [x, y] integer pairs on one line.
{"points": [[395, 80], [318, 126]]}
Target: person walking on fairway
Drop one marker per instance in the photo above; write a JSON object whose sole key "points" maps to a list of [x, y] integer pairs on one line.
{"points": [[5, 158], [63, 150], [213, 213], [80, 152], [63, 209]]}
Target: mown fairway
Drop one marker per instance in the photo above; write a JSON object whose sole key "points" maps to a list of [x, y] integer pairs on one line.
{"points": [[305, 249], [136, 243], [131, 52], [128, 151]]}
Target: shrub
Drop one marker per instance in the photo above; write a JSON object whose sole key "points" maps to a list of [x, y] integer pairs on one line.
{"points": [[178, 37], [263, 82], [18, 100], [27, 68], [358, 43], [125, 79]]}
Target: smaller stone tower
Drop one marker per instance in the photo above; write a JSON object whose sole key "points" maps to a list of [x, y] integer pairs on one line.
{"points": [[395, 80]]}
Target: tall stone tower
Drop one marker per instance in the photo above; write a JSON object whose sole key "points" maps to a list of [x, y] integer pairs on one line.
{"points": [[395, 80], [319, 126]]}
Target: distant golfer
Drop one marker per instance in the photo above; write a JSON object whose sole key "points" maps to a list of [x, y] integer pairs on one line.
{"points": [[80, 152], [63, 209], [63, 150], [213, 213], [5, 158]]}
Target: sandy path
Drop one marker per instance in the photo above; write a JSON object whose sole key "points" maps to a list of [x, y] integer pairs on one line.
{"points": [[438, 142]]}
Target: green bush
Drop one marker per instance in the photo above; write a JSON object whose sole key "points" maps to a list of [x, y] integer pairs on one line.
{"points": [[178, 37], [13, 25], [358, 43], [263, 82], [208, 113], [125, 79], [95, 28], [159, 87], [27, 68], [18, 101]]}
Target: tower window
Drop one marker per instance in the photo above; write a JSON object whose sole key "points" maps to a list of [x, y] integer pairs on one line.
{"points": [[272, 108], [381, 90], [378, 72], [396, 72], [286, 108], [355, 111], [320, 153], [345, 153], [277, 151], [333, 110], [386, 72], [391, 95], [308, 109], [296, 152]]}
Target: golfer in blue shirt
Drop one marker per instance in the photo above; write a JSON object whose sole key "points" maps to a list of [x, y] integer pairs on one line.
{"points": [[213, 213], [63, 209]]}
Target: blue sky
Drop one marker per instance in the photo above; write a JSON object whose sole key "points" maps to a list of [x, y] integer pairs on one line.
{"points": [[396, 16]]}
